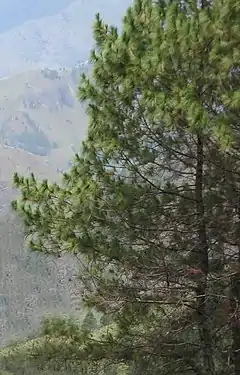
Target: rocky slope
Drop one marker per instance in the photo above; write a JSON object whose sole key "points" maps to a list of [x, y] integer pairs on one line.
{"points": [[56, 40], [15, 12], [41, 124], [40, 114]]}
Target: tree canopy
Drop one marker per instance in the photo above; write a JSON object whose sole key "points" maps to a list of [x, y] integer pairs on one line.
{"points": [[151, 202]]}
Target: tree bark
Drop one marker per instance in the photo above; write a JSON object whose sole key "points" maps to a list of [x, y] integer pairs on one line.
{"points": [[204, 320], [235, 321], [235, 300]]}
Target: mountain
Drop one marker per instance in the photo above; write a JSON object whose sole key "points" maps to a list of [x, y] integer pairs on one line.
{"points": [[57, 40], [41, 126], [14, 12], [41, 116], [31, 285]]}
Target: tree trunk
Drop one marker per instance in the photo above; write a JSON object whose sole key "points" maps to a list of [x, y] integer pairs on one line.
{"points": [[202, 299], [235, 301], [235, 321]]}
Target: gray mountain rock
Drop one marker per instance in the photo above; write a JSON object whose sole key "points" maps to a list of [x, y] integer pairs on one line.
{"points": [[56, 40]]}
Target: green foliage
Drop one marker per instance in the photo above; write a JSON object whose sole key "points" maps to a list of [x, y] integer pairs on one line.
{"points": [[89, 321], [60, 349], [105, 320], [150, 205]]}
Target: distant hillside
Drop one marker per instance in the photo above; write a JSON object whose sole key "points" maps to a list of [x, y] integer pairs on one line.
{"points": [[40, 114], [15, 12], [12, 160], [31, 285], [41, 123], [58, 40]]}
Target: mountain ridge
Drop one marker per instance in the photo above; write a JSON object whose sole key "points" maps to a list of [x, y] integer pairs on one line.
{"points": [[57, 40], [15, 12]]}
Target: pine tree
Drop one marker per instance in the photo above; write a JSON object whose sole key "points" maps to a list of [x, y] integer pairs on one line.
{"points": [[149, 200], [59, 350]]}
